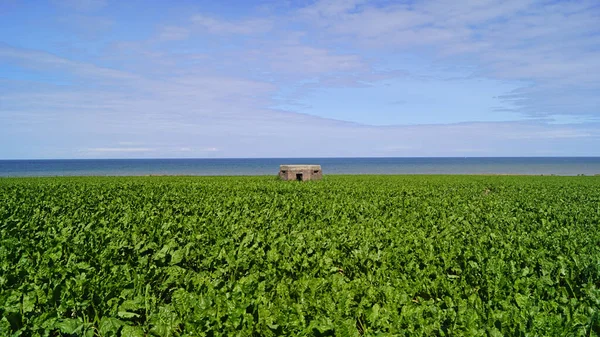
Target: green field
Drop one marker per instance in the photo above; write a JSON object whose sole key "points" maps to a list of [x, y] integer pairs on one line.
{"points": [[345, 256]]}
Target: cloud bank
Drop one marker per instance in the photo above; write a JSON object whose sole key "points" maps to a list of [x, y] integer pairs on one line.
{"points": [[327, 78]]}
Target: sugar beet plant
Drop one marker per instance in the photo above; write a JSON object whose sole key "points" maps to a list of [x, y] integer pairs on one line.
{"points": [[254, 256]]}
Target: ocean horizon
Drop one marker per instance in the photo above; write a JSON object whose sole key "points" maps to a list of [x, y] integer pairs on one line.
{"points": [[568, 166]]}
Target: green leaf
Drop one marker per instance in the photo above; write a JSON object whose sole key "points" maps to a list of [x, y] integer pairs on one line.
{"points": [[177, 256], [68, 325], [5, 325], [495, 333], [132, 305], [89, 332], [109, 326], [28, 303], [127, 314], [132, 331], [521, 300]]}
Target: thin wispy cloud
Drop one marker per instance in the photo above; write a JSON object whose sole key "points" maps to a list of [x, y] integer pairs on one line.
{"points": [[171, 33], [217, 26], [323, 78], [81, 5], [119, 149]]}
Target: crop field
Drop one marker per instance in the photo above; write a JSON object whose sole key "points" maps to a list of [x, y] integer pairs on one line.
{"points": [[345, 256]]}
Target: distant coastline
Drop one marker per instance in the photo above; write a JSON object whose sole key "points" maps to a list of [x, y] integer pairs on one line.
{"points": [[561, 166]]}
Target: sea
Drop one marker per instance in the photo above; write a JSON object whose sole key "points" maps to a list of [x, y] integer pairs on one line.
{"points": [[568, 166]]}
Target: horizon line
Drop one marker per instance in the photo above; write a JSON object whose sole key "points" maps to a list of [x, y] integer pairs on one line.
{"points": [[318, 157]]}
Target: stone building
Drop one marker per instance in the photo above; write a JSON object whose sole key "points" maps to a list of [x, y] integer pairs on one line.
{"points": [[300, 172]]}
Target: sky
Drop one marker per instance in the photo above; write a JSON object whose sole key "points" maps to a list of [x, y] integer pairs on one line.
{"points": [[306, 78]]}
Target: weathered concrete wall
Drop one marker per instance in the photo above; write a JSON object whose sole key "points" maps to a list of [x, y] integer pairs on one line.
{"points": [[308, 172]]}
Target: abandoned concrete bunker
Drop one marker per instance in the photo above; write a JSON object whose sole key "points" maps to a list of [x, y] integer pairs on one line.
{"points": [[300, 172]]}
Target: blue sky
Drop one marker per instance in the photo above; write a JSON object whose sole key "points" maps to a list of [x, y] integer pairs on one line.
{"points": [[207, 79]]}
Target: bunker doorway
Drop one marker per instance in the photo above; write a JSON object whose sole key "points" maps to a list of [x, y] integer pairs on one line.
{"points": [[299, 176]]}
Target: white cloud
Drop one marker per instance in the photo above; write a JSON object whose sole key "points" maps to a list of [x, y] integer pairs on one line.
{"points": [[330, 8], [201, 97], [550, 45], [86, 25], [49, 62], [172, 33], [82, 5], [309, 60], [119, 149], [217, 26], [160, 149]]}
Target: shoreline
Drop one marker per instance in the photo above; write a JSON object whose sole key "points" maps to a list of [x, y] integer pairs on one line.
{"points": [[525, 166], [325, 175]]}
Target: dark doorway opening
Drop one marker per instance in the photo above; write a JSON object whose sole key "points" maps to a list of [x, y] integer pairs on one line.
{"points": [[299, 176]]}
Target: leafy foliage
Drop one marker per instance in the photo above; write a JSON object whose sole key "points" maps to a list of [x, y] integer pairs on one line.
{"points": [[346, 256]]}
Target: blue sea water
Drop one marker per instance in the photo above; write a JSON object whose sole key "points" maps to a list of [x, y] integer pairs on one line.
{"points": [[270, 166]]}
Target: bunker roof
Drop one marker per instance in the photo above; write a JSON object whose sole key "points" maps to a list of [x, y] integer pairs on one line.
{"points": [[299, 167]]}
